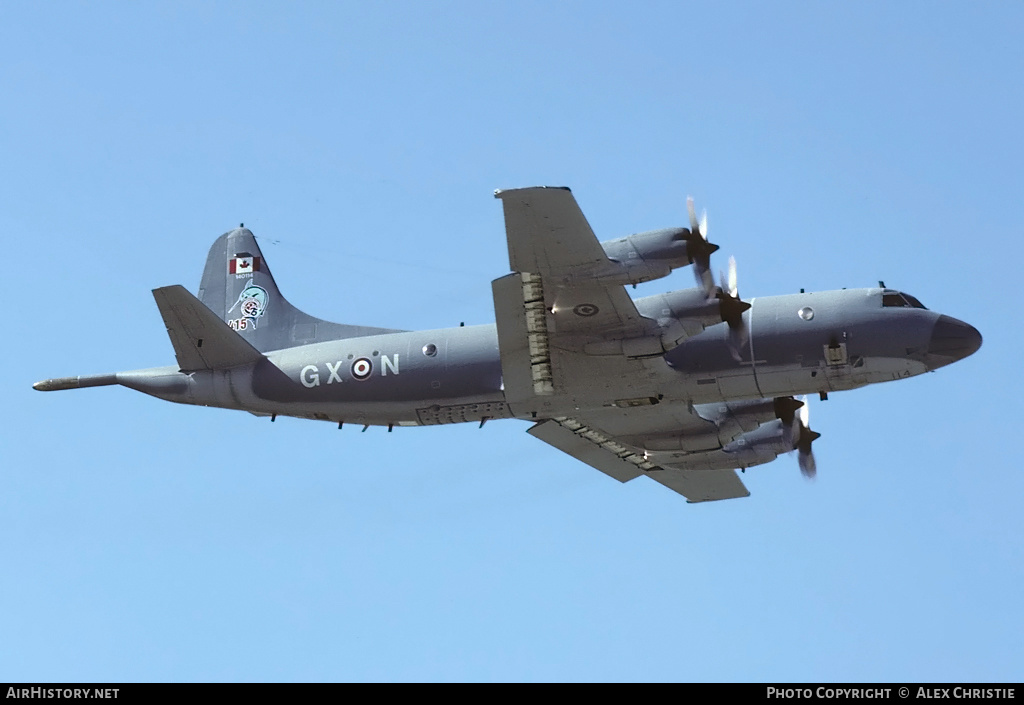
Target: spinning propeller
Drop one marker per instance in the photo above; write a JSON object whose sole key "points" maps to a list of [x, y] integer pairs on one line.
{"points": [[699, 249], [732, 308], [801, 437]]}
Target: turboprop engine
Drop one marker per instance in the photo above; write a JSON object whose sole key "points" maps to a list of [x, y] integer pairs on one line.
{"points": [[761, 445], [778, 426], [685, 313], [731, 420], [654, 254], [649, 255]]}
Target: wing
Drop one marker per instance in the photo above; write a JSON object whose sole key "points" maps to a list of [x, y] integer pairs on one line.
{"points": [[571, 340], [566, 337], [624, 462]]}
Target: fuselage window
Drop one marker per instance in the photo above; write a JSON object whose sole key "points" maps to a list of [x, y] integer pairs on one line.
{"points": [[430, 350]]}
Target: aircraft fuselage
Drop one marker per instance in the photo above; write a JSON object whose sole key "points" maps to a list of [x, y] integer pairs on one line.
{"points": [[797, 344]]}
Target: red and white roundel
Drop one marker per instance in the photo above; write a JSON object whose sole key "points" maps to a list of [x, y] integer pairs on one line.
{"points": [[361, 369]]}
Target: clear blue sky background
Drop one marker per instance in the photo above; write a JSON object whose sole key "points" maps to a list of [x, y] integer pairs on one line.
{"points": [[832, 144]]}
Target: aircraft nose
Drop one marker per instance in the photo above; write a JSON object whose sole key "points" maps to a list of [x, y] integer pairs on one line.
{"points": [[952, 340]]}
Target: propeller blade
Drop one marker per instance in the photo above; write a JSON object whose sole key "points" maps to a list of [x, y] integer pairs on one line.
{"points": [[785, 411], [808, 467], [804, 439], [700, 250], [728, 283], [699, 227], [789, 434], [705, 281], [786, 408], [732, 308], [737, 340]]}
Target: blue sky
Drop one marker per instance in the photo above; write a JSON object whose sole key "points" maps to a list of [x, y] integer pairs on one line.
{"points": [[833, 146]]}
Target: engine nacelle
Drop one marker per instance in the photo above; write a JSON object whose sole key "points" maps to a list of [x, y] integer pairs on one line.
{"points": [[742, 416], [770, 439], [680, 314], [732, 420], [757, 447], [647, 256]]}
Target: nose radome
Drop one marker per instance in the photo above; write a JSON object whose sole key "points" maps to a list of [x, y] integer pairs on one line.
{"points": [[952, 340]]}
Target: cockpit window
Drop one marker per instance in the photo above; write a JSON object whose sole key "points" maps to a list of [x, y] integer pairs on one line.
{"points": [[913, 302], [897, 299]]}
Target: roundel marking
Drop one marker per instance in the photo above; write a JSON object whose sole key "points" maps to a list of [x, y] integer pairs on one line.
{"points": [[585, 310], [251, 308], [361, 369]]}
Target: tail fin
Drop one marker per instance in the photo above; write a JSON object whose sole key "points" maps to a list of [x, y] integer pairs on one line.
{"points": [[238, 287]]}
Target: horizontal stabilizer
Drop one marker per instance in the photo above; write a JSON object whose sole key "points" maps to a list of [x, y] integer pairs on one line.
{"points": [[201, 340]]}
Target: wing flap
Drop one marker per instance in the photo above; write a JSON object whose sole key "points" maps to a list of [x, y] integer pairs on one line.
{"points": [[522, 338], [201, 340], [591, 447]]}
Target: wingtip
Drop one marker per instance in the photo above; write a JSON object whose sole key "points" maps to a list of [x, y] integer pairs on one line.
{"points": [[501, 192]]}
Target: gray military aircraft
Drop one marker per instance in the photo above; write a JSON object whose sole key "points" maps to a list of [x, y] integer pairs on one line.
{"points": [[683, 387]]}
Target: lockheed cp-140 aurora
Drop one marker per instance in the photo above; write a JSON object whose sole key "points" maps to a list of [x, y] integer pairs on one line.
{"points": [[684, 387]]}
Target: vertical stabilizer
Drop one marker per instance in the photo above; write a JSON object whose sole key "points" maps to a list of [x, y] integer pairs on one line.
{"points": [[238, 287]]}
